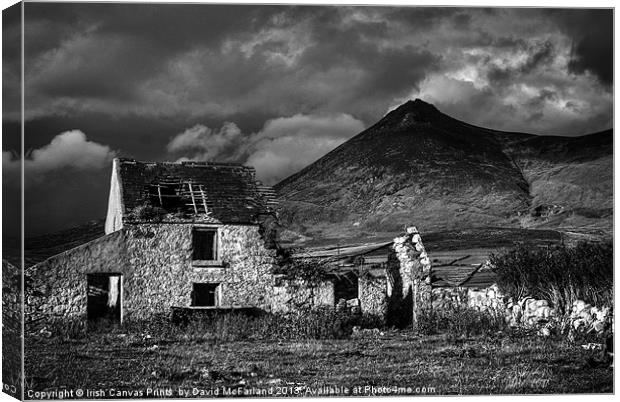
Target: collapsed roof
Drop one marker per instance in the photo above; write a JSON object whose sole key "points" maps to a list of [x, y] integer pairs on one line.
{"points": [[463, 268], [217, 192]]}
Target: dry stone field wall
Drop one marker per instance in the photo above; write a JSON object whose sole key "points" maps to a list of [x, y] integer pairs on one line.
{"points": [[581, 316], [449, 298], [483, 299], [527, 312]]}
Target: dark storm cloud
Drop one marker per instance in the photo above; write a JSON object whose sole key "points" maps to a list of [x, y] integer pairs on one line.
{"points": [[461, 21], [591, 32], [163, 27], [11, 60], [421, 18], [216, 61], [104, 54], [279, 80], [385, 71], [105, 51]]}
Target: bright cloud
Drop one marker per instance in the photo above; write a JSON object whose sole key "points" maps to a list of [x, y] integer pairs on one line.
{"points": [[282, 147], [70, 149], [205, 143]]}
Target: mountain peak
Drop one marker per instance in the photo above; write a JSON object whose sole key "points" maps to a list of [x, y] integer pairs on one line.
{"points": [[418, 164], [414, 111], [417, 105]]}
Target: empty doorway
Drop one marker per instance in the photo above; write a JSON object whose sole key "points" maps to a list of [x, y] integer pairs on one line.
{"points": [[104, 297], [346, 286]]}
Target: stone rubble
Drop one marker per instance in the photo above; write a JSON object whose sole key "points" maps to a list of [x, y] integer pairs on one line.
{"points": [[583, 317], [587, 318], [527, 312]]}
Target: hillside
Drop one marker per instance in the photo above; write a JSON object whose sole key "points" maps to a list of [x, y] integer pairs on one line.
{"points": [[418, 165], [39, 248]]}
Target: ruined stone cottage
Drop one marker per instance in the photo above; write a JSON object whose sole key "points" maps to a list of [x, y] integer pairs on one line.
{"points": [[190, 234]]}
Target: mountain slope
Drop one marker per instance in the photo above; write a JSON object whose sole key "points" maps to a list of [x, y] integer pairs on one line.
{"points": [[570, 180], [419, 166]]}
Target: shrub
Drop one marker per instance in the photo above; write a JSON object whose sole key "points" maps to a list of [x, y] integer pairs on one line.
{"points": [[310, 270], [147, 212], [558, 274]]}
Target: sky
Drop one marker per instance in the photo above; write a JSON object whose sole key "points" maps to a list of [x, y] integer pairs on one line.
{"points": [[274, 87]]}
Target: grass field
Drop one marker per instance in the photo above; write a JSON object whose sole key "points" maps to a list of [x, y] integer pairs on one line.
{"points": [[117, 364]]}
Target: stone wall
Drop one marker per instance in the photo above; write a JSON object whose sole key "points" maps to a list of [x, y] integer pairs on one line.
{"points": [[461, 297], [373, 295], [526, 312], [56, 288], [449, 298], [414, 275], [162, 256], [290, 295], [485, 298], [155, 261]]}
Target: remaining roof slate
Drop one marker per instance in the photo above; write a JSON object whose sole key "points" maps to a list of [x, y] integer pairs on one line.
{"points": [[344, 251], [461, 268], [231, 191]]}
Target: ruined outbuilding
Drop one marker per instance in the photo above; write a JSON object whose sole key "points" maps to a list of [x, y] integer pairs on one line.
{"points": [[389, 280], [398, 280]]}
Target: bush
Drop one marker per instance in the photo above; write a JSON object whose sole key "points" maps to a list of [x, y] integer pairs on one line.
{"points": [[459, 321], [558, 274], [147, 212], [310, 270]]}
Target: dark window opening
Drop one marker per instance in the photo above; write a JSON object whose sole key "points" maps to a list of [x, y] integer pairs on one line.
{"points": [[204, 244], [166, 195], [204, 294], [346, 287], [104, 297]]}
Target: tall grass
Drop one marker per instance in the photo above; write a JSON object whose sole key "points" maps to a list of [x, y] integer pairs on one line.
{"points": [[303, 324], [459, 321], [323, 323], [558, 274]]}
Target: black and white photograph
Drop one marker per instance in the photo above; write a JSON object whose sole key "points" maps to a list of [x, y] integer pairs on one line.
{"points": [[206, 200]]}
